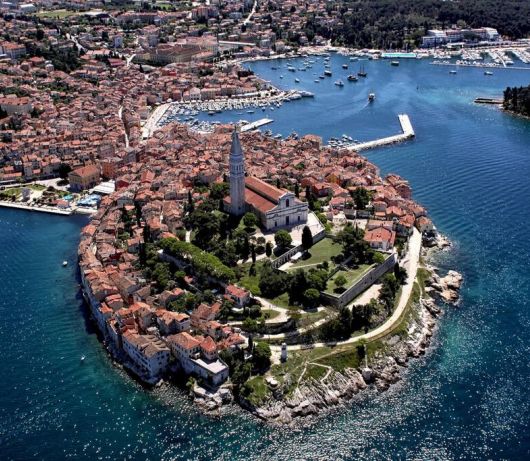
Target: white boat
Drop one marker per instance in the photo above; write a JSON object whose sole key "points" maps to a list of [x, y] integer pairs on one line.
{"points": [[65, 263], [452, 72], [488, 73], [82, 358], [371, 97], [339, 83], [297, 80]]}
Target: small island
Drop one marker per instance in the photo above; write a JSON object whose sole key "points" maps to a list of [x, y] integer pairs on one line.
{"points": [[285, 276]]}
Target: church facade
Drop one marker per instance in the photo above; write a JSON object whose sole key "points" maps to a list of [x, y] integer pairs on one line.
{"points": [[274, 207]]}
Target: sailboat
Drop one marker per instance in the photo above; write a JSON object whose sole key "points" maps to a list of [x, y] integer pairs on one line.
{"points": [[362, 72]]}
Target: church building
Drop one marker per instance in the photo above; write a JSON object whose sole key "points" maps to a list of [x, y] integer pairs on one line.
{"points": [[274, 207]]}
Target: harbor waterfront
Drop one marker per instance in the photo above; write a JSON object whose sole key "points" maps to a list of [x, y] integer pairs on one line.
{"points": [[469, 165]]}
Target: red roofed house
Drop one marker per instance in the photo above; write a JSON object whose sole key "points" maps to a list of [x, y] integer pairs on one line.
{"points": [[84, 178], [380, 238], [238, 295]]}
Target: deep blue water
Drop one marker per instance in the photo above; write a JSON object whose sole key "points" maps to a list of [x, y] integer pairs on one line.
{"points": [[468, 399]]}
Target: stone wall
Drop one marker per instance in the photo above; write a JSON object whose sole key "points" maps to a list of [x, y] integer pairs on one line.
{"points": [[362, 284], [281, 260]]}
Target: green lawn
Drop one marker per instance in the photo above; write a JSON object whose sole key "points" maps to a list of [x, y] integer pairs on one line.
{"points": [[309, 318], [320, 252], [351, 275], [269, 314], [256, 390]]}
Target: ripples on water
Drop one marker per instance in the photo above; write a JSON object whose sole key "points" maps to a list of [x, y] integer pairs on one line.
{"points": [[468, 399]]}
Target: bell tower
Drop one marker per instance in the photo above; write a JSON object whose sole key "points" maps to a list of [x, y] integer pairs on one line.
{"points": [[237, 176]]}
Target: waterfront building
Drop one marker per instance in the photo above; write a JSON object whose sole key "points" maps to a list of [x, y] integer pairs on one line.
{"points": [[149, 353], [198, 356], [84, 178]]}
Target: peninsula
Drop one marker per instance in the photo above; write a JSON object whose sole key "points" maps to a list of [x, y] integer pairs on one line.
{"points": [[284, 275]]}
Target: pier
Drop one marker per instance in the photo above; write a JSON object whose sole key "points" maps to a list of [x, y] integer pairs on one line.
{"points": [[487, 101], [407, 133], [256, 124]]}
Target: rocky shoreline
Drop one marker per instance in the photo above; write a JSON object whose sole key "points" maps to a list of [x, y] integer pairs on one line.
{"points": [[316, 397]]}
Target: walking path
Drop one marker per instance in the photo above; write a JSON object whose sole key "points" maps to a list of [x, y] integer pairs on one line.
{"points": [[411, 263]]}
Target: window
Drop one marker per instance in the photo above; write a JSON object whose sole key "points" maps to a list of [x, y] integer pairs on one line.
{"points": [[287, 220], [287, 203]]}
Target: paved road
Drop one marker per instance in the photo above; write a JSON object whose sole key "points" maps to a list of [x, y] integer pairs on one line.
{"points": [[410, 263], [249, 17]]}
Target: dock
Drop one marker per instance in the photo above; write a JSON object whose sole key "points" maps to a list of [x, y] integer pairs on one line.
{"points": [[407, 133], [488, 101], [255, 125]]}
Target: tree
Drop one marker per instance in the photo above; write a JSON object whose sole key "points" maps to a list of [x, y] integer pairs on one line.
{"points": [[282, 238], [40, 34], [268, 249], [340, 281], [63, 170], [311, 298], [261, 356], [307, 238], [219, 190], [250, 220], [361, 198], [161, 275], [297, 287], [273, 282], [400, 273], [297, 190]]}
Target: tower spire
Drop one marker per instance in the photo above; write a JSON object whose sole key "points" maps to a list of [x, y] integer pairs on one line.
{"points": [[237, 175]]}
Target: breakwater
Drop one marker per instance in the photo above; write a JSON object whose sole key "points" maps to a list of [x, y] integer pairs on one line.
{"points": [[407, 133]]}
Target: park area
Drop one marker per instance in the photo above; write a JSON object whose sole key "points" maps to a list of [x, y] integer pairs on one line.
{"points": [[320, 252], [346, 277]]}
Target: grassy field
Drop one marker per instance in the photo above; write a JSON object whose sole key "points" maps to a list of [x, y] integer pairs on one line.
{"points": [[269, 313], [320, 252], [61, 14], [309, 318], [351, 275], [304, 364]]}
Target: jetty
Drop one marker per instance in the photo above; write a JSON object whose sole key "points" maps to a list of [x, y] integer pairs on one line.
{"points": [[407, 133], [255, 125], [487, 101]]}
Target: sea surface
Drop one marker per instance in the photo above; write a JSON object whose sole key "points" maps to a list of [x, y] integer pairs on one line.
{"points": [[467, 399]]}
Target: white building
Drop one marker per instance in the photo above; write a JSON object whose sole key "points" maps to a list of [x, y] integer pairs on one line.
{"points": [[149, 353], [199, 357]]}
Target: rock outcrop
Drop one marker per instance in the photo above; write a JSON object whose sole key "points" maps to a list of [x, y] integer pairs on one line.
{"points": [[446, 289]]}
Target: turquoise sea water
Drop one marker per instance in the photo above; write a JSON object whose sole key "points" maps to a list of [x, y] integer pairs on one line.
{"points": [[468, 399]]}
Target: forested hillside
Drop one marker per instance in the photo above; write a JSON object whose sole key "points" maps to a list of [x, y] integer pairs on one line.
{"points": [[396, 23]]}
